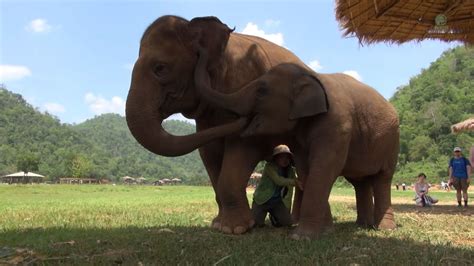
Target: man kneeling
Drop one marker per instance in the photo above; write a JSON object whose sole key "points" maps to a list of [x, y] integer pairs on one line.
{"points": [[274, 191]]}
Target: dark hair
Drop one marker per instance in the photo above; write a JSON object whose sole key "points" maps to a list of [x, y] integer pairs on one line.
{"points": [[422, 174]]}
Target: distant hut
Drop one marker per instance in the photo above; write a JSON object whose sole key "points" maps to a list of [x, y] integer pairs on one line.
{"points": [[158, 183], [176, 180], [165, 181], [141, 180], [22, 178], [78, 180], [397, 21], [128, 180]]}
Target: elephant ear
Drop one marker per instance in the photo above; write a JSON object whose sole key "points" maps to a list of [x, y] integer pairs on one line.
{"points": [[211, 34], [309, 98]]}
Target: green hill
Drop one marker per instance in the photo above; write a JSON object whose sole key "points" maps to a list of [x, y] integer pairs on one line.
{"points": [[435, 99], [99, 147]]}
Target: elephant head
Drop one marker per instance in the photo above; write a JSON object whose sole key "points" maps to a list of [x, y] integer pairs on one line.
{"points": [[275, 101], [163, 82]]}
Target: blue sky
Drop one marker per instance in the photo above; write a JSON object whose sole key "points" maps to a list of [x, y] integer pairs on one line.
{"points": [[74, 58]]}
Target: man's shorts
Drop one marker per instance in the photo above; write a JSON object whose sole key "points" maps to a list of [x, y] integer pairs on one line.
{"points": [[460, 183]]}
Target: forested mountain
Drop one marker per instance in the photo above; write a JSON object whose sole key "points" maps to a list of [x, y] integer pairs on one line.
{"points": [[438, 97], [99, 147]]}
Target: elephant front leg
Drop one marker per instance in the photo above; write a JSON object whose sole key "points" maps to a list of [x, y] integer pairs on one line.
{"points": [[211, 155], [315, 212], [239, 162]]}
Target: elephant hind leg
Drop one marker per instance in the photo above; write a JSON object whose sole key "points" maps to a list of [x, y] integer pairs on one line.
{"points": [[364, 201], [383, 212]]}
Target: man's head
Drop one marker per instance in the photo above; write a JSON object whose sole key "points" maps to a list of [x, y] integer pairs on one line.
{"points": [[282, 155], [457, 152]]}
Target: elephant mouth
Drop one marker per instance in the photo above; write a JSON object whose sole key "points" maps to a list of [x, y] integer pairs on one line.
{"points": [[195, 113]]}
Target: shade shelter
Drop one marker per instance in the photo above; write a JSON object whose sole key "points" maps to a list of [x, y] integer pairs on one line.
{"points": [[465, 126], [399, 21], [22, 178]]}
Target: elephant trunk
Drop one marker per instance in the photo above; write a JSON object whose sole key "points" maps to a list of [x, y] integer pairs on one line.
{"points": [[240, 102], [144, 119]]}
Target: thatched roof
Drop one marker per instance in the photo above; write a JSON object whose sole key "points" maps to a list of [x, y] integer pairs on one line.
{"points": [[398, 21], [466, 125], [23, 174]]}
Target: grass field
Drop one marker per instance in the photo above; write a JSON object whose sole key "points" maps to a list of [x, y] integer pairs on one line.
{"points": [[143, 225]]}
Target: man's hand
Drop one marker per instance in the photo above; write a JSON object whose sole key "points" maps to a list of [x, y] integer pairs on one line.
{"points": [[299, 184]]}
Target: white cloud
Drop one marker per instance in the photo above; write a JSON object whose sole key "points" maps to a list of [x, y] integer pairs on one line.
{"points": [[99, 105], [39, 25], [252, 29], [272, 23], [353, 74], [12, 72], [315, 65], [54, 108]]}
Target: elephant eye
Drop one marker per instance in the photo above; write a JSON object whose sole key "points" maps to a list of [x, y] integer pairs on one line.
{"points": [[159, 69]]}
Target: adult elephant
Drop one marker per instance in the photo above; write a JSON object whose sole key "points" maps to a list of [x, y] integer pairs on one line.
{"points": [[163, 84], [336, 126]]}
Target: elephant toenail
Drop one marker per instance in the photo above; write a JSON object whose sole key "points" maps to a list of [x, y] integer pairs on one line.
{"points": [[226, 230], [216, 225], [239, 230]]}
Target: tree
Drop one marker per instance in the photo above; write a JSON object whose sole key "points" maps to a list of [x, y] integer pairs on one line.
{"points": [[80, 166], [27, 162]]}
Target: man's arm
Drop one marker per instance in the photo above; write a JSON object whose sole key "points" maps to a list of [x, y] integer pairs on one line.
{"points": [[469, 172], [276, 178]]}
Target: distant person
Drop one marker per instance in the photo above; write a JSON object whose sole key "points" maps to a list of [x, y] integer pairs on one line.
{"points": [[444, 185], [396, 186], [459, 175], [404, 186], [421, 192], [275, 186]]}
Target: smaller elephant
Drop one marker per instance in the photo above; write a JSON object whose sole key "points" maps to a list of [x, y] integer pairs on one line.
{"points": [[299, 94]]}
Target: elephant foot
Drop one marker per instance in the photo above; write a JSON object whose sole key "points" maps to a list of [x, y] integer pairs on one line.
{"points": [[387, 224], [236, 221], [216, 222], [388, 221]]}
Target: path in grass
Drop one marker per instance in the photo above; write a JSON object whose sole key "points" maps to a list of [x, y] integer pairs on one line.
{"points": [[169, 225]]}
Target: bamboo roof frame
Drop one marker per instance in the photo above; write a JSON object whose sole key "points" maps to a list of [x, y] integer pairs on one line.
{"points": [[399, 21], [466, 125]]}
